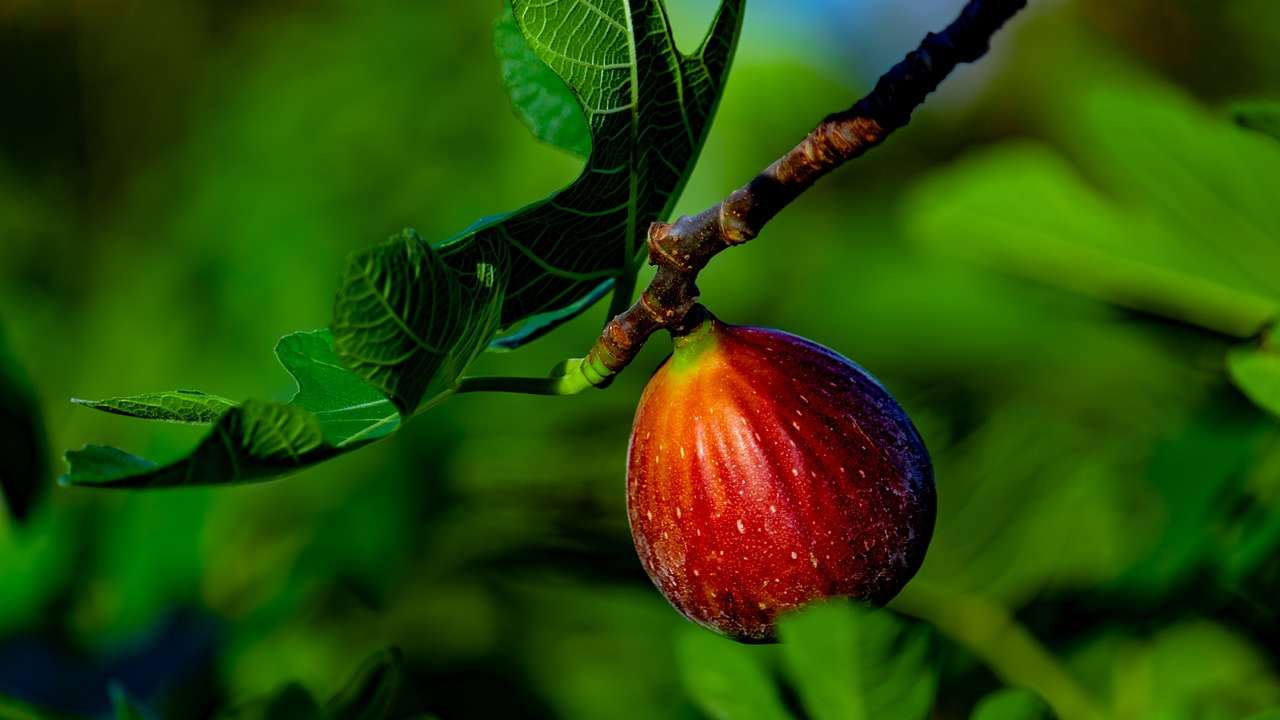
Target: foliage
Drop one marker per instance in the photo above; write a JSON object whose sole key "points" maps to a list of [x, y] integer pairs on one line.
{"points": [[411, 317], [181, 186], [331, 411], [854, 663], [842, 660], [1186, 233]]}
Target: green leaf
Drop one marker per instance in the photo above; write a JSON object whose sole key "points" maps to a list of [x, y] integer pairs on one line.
{"points": [[1192, 669], [372, 690], [1263, 117], [727, 680], [1256, 371], [1187, 228], [255, 441], [349, 410], [1061, 233], [179, 406], [540, 98], [853, 663], [24, 472], [1011, 704], [408, 318], [333, 411], [410, 322]]}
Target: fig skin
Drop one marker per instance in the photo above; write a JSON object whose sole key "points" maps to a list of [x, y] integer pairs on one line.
{"points": [[766, 472]]}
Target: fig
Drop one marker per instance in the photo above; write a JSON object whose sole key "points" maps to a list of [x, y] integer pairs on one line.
{"points": [[766, 472]]}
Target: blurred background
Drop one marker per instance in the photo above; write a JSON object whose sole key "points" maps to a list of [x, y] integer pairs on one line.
{"points": [[182, 180]]}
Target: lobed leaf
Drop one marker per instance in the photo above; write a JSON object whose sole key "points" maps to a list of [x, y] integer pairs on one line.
{"points": [[647, 107], [409, 317], [255, 441], [539, 97], [332, 411]]}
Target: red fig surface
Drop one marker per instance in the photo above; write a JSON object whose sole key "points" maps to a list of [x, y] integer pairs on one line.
{"points": [[766, 471]]}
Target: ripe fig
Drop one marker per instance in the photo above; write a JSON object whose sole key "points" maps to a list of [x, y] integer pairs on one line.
{"points": [[766, 471]]}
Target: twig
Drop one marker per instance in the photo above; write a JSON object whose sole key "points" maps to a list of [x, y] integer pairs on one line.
{"points": [[681, 249]]}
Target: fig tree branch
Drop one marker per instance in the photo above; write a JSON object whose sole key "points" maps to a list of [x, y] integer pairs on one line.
{"points": [[681, 249]]}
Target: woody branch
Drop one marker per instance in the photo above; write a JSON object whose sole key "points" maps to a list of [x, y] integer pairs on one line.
{"points": [[681, 249]]}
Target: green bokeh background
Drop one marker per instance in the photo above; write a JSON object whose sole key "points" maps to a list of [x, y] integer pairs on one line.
{"points": [[181, 182]]}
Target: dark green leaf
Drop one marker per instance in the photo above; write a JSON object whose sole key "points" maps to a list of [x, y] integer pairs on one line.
{"points": [[255, 441], [539, 325], [853, 663], [540, 98], [410, 322], [179, 406], [408, 318], [1263, 117], [1256, 371], [24, 472], [1011, 704], [372, 690], [728, 681], [332, 411]]}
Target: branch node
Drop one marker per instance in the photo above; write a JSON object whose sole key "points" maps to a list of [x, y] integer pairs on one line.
{"points": [[665, 248], [734, 228]]}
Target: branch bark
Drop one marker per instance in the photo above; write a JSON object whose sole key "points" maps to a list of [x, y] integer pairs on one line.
{"points": [[681, 249]]}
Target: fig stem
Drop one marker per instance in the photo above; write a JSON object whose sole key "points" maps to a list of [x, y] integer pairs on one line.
{"points": [[682, 248]]}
